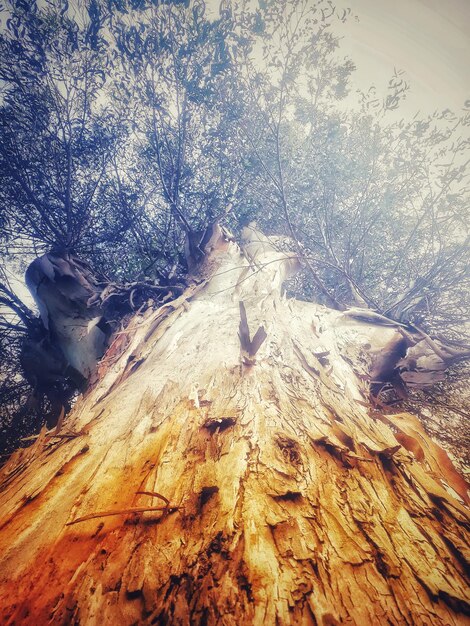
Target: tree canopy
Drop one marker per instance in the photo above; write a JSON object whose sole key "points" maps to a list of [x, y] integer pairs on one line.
{"points": [[129, 127]]}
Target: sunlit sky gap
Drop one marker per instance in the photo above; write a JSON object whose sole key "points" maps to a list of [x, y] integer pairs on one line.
{"points": [[428, 39]]}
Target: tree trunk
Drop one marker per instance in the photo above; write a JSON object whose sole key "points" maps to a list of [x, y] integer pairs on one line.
{"points": [[226, 468]]}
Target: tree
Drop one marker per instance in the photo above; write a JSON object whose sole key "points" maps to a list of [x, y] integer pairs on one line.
{"points": [[236, 456], [246, 480]]}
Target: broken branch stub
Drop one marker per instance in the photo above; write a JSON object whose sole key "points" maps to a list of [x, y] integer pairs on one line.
{"points": [[249, 346], [62, 287]]}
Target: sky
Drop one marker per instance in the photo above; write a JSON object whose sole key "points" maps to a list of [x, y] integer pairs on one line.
{"points": [[428, 39]]}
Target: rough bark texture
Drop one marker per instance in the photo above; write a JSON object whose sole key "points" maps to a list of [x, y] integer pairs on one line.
{"points": [[271, 492]]}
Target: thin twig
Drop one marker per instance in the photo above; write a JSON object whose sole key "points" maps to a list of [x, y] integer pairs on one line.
{"points": [[154, 494], [141, 509]]}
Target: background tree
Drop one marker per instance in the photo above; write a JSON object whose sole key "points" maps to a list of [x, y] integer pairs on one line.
{"points": [[56, 139]]}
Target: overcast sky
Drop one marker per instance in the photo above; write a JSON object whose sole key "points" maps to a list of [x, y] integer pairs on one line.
{"points": [[429, 39]]}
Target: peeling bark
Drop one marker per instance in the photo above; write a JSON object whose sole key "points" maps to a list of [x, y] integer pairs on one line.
{"points": [[190, 486], [64, 289]]}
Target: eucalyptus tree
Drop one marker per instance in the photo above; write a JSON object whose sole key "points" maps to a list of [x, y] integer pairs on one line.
{"points": [[234, 456], [178, 77]]}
